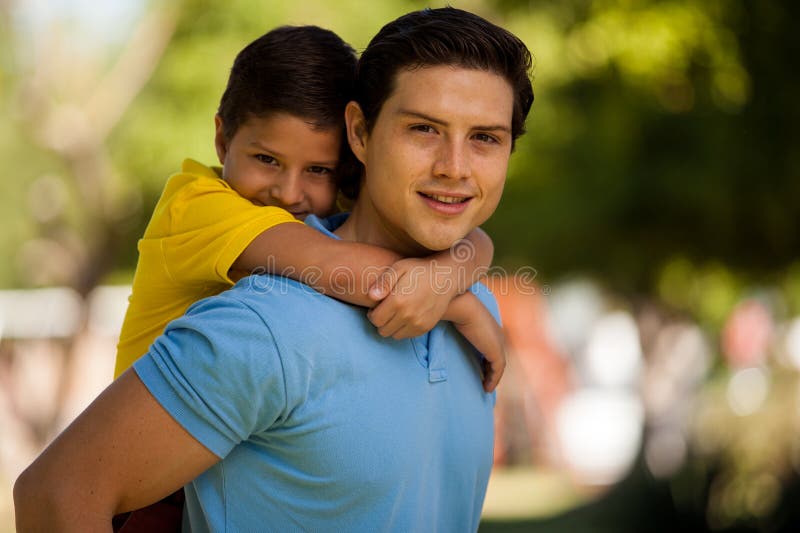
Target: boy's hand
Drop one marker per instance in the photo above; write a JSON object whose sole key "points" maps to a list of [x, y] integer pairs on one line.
{"points": [[487, 337], [478, 326], [413, 298]]}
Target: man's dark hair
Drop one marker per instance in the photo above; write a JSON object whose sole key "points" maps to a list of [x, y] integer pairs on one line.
{"points": [[444, 36], [304, 71]]}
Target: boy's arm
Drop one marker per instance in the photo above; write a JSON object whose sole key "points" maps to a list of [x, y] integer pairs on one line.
{"points": [[474, 321], [420, 291], [342, 269], [415, 293], [122, 453]]}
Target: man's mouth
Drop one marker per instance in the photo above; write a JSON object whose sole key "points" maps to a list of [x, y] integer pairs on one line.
{"points": [[446, 199], [446, 204]]}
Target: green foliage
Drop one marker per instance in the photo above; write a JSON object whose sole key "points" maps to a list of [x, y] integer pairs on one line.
{"points": [[663, 132]]}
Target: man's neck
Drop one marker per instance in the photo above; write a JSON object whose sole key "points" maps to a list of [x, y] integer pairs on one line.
{"points": [[366, 226]]}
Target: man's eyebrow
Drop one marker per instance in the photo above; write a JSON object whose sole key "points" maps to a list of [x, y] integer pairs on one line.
{"points": [[423, 116], [428, 118]]}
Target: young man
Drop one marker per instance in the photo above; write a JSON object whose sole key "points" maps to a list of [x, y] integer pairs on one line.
{"points": [[276, 426]]}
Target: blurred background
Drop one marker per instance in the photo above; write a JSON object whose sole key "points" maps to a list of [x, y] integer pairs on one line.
{"points": [[647, 244]]}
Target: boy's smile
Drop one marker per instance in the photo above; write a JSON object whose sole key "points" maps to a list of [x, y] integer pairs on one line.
{"points": [[282, 160]]}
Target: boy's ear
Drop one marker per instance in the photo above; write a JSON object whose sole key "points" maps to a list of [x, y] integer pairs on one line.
{"points": [[356, 130], [219, 139]]}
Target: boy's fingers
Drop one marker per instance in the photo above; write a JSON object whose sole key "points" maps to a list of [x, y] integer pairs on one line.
{"points": [[405, 332], [400, 327], [380, 315], [390, 329], [489, 382], [383, 312], [395, 323], [400, 334], [387, 321], [492, 372], [383, 285]]}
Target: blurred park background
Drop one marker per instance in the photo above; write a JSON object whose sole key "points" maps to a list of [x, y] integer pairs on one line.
{"points": [[651, 219]]}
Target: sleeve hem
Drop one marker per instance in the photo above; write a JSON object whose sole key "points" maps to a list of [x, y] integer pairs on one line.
{"points": [[242, 238], [150, 372]]}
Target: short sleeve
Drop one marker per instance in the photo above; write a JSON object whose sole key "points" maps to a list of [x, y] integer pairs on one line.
{"points": [[487, 299], [217, 371], [210, 226]]}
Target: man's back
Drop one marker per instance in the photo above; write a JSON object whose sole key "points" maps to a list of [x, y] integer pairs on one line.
{"points": [[322, 423]]}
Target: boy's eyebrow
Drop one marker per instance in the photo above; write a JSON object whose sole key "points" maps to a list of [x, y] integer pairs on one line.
{"points": [[257, 144], [428, 118]]}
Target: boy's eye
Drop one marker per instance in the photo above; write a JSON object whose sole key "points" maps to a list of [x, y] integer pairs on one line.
{"points": [[266, 159], [319, 170]]}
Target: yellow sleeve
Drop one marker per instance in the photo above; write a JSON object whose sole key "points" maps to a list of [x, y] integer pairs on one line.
{"points": [[210, 225], [198, 229]]}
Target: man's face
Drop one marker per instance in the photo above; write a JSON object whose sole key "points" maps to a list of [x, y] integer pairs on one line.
{"points": [[283, 161], [436, 158]]}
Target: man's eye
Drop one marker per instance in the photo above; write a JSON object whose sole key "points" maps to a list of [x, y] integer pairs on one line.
{"points": [[424, 128], [266, 159], [486, 138]]}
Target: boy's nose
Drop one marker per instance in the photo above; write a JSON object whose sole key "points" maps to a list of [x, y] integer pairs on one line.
{"points": [[288, 191]]}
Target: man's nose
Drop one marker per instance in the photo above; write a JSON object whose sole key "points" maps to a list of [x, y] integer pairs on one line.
{"points": [[288, 191], [453, 161]]}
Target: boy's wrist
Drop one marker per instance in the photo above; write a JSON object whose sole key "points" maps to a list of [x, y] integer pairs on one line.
{"points": [[458, 312], [455, 268]]}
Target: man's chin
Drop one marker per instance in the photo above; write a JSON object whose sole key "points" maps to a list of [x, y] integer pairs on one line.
{"points": [[437, 243]]}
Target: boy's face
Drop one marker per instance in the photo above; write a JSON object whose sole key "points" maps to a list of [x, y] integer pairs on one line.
{"points": [[281, 160], [436, 158]]}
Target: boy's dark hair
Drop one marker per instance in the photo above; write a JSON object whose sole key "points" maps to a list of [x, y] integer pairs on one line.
{"points": [[444, 36], [304, 71]]}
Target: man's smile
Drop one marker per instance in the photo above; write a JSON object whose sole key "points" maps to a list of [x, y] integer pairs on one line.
{"points": [[446, 204], [445, 198]]}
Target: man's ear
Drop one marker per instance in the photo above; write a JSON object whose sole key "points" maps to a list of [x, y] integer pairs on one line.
{"points": [[356, 130], [219, 139]]}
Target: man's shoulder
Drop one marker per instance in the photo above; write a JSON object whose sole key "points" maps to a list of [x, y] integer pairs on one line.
{"points": [[265, 305], [283, 316], [280, 299]]}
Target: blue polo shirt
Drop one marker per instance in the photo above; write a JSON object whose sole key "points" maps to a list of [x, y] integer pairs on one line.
{"points": [[320, 423]]}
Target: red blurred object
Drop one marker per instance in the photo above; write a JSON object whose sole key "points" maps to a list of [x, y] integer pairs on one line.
{"points": [[536, 379], [747, 334]]}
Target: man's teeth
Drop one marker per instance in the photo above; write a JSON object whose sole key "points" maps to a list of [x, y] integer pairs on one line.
{"points": [[446, 199]]}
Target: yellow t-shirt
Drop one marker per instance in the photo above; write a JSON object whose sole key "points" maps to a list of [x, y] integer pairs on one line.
{"points": [[198, 229]]}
